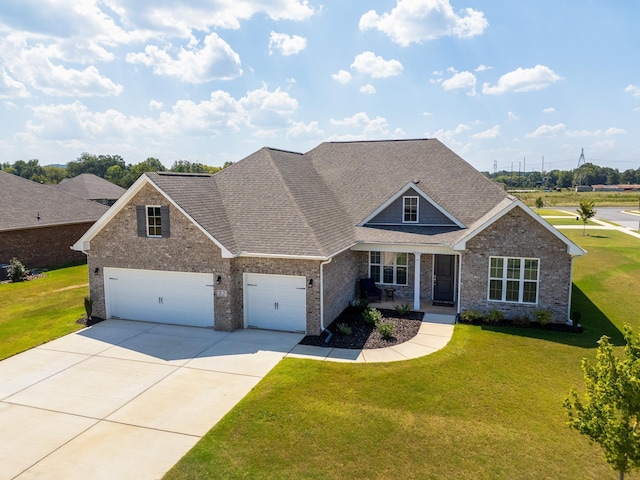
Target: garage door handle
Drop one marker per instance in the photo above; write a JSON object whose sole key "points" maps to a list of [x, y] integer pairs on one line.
{"points": [[251, 285], [160, 300], [275, 305]]}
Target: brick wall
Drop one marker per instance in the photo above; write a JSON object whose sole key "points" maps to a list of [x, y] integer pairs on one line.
{"points": [[517, 235], [340, 283], [44, 246]]}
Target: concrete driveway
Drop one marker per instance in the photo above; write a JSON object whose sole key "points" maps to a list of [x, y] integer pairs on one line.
{"points": [[123, 399]]}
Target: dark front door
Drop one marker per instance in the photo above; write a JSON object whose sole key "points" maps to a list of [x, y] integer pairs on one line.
{"points": [[444, 278]]}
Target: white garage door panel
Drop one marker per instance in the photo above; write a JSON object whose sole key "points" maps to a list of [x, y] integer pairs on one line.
{"points": [[181, 298], [277, 302]]}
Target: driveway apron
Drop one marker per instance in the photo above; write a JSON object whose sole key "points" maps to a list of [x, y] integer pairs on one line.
{"points": [[124, 399]]}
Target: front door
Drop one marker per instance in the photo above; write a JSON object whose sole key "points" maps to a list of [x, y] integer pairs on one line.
{"points": [[444, 278]]}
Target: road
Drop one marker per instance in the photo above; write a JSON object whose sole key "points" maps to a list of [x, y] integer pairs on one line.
{"points": [[616, 215]]}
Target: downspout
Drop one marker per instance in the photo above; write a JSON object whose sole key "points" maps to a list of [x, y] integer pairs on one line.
{"points": [[322, 264], [569, 320], [459, 282]]}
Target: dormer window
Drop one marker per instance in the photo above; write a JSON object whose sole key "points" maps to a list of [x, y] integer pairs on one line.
{"points": [[410, 209]]}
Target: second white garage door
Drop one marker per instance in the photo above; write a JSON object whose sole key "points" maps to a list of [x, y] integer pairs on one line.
{"points": [[180, 298], [275, 302]]}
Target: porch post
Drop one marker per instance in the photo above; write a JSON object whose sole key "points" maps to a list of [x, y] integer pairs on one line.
{"points": [[416, 281]]}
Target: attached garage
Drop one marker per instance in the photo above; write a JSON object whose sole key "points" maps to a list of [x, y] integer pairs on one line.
{"points": [[275, 302], [179, 298]]}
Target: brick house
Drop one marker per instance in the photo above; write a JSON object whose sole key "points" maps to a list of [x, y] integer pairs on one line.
{"points": [[39, 223], [280, 239]]}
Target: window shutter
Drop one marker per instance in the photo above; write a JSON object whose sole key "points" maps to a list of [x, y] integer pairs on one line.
{"points": [[142, 220], [164, 218]]}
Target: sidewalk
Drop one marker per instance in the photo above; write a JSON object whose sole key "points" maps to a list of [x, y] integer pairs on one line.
{"points": [[435, 332], [600, 225]]}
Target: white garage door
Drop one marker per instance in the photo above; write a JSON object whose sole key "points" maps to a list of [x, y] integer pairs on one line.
{"points": [[275, 302], [179, 298]]}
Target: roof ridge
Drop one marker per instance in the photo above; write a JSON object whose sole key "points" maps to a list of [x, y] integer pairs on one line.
{"points": [[300, 212]]}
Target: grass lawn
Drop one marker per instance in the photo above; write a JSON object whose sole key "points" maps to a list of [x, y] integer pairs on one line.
{"points": [[34, 312], [572, 198], [488, 406]]}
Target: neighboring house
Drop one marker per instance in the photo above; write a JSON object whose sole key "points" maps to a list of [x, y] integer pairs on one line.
{"points": [[39, 223], [279, 240], [92, 187]]}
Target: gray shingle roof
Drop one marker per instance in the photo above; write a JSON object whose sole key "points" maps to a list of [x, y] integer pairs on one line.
{"points": [[275, 202], [91, 187], [27, 204]]}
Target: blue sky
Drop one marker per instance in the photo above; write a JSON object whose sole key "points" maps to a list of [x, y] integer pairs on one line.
{"points": [[504, 81]]}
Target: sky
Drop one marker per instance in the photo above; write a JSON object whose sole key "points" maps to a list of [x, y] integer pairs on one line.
{"points": [[504, 83]]}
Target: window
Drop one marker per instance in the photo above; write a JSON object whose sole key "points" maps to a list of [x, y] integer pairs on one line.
{"points": [[388, 267], [410, 209], [154, 222], [513, 279]]}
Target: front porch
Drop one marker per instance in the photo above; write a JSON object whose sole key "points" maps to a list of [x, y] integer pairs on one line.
{"points": [[425, 306]]}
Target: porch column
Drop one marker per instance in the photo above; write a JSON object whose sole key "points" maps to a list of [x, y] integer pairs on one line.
{"points": [[416, 281]]}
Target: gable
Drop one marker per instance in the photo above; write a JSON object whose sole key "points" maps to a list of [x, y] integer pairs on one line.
{"points": [[411, 206]]}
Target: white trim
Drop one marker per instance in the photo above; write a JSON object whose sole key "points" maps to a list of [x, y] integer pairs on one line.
{"points": [[404, 209], [84, 243], [572, 248], [146, 219], [401, 192], [279, 255], [403, 248], [521, 280]]}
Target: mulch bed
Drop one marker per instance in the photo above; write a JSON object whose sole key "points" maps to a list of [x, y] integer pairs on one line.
{"points": [[31, 276], [88, 322], [363, 334]]}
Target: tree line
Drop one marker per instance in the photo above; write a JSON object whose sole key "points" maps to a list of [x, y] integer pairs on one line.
{"points": [[110, 167], [587, 174]]}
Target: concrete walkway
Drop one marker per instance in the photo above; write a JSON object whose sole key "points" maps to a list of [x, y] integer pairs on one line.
{"points": [[600, 225], [126, 400], [435, 332]]}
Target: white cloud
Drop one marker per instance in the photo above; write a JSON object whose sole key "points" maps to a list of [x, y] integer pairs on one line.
{"points": [[10, 88], [490, 133], [214, 61], [368, 89], [549, 110], [512, 117], [464, 80], [371, 128], [155, 105], [548, 131], [415, 21], [596, 133], [483, 68], [300, 131], [376, 66], [633, 90], [523, 80], [286, 44], [342, 76], [448, 136]]}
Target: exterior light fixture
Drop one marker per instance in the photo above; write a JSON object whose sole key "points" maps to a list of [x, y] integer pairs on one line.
{"points": [[310, 282], [219, 279]]}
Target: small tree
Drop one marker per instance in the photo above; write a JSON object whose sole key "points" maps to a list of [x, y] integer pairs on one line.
{"points": [[586, 211], [539, 203], [610, 410], [17, 271]]}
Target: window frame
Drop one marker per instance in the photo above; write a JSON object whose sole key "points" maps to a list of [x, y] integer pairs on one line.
{"points": [[157, 221], [511, 277], [411, 213], [395, 267]]}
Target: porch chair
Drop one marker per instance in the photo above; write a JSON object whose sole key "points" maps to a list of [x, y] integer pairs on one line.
{"points": [[369, 291]]}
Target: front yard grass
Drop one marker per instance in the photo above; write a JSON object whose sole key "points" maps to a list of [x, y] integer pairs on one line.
{"points": [[37, 311], [488, 406]]}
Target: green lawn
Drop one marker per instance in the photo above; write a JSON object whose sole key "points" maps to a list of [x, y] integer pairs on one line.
{"points": [[488, 406], [572, 198], [34, 312]]}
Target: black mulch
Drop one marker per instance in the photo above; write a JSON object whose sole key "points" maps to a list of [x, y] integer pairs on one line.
{"points": [[365, 335]]}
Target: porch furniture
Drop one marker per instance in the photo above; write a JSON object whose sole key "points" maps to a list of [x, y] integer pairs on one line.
{"points": [[389, 292], [369, 291]]}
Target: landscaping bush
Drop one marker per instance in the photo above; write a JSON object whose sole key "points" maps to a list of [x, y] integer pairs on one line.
{"points": [[385, 329], [372, 316], [361, 305], [471, 316], [88, 307], [522, 321], [344, 329], [403, 310], [543, 317], [494, 317], [17, 271]]}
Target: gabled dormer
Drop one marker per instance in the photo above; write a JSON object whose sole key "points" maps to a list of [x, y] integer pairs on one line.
{"points": [[411, 207]]}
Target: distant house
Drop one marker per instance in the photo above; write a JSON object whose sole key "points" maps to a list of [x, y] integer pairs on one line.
{"points": [[280, 240], [39, 223], [92, 187]]}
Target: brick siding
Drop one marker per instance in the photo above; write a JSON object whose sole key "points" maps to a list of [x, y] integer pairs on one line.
{"points": [[517, 235]]}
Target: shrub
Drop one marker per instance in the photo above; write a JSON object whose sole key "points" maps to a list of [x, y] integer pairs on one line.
{"points": [[88, 307], [543, 317], [17, 271], [372, 316], [361, 305], [521, 321], [403, 310], [494, 316], [385, 329], [344, 329], [471, 316]]}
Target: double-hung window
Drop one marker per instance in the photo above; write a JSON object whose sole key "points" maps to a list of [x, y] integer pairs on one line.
{"points": [[410, 209], [154, 221], [388, 267], [513, 279]]}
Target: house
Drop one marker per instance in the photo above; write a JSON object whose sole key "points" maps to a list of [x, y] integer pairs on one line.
{"points": [[92, 187], [39, 223], [279, 240]]}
